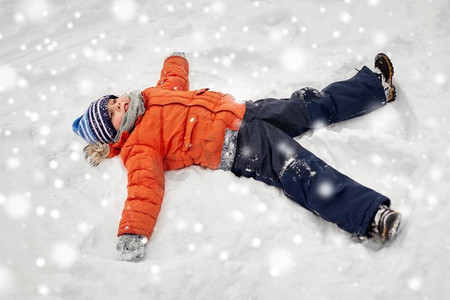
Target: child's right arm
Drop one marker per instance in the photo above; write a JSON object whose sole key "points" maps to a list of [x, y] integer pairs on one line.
{"points": [[145, 194]]}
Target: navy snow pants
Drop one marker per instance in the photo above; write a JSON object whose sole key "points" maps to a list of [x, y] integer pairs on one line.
{"points": [[266, 150]]}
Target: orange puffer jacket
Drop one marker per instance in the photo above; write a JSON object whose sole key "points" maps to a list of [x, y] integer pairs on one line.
{"points": [[179, 128]]}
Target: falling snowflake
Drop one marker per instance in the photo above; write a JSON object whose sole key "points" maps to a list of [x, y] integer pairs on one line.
{"points": [[155, 269], [440, 79], [345, 17], [326, 189], [53, 164], [40, 262], [224, 255], [293, 59], [298, 239], [58, 183], [6, 280], [13, 163], [124, 10], [256, 242], [64, 254], [18, 206], [415, 284], [238, 216], [43, 290], [36, 9], [198, 227], [380, 39], [279, 262], [40, 210], [218, 8], [8, 77], [55, 214]]}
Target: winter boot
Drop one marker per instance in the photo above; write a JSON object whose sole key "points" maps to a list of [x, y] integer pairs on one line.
{"points": [[385, 71], [386, 222]]}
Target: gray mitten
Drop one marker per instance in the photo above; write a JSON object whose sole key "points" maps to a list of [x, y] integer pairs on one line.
{"points": [[177, 54], [131, 247]]}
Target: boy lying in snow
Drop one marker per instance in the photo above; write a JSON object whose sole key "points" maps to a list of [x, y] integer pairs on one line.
{"points": [[169, 127]]}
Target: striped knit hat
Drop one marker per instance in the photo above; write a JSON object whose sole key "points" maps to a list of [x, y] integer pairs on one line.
{"points": [[95, 125]]}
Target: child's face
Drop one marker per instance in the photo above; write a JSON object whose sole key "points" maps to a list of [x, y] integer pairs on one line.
{"points": [[117, 109]]}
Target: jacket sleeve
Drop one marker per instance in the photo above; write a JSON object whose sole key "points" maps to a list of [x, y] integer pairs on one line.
{"points": [[145, 191], [175, 74]]}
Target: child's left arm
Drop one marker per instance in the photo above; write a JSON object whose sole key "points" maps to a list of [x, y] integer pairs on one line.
{"points": [[175, 73]]}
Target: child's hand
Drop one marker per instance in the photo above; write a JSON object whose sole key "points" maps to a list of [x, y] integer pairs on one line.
{"points": [[178, 54], [131, 247]]}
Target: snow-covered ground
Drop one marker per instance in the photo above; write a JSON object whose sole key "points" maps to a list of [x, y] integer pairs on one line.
{"points": [[219, 236]]}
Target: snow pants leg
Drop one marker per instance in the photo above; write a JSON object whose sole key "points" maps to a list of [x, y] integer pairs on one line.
{"points": [[309, 108], [267, 152]]}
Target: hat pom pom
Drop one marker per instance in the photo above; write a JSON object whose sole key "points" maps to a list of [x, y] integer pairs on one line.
{"points": [[96, 153]]}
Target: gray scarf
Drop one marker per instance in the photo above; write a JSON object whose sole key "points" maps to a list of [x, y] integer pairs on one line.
{"points": [[136, 109]]}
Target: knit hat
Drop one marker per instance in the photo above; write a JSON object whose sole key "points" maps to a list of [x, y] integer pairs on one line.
{"points": [[95, 126]]}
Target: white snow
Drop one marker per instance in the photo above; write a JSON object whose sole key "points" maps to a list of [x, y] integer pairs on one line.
{"points": [[219, 236]]}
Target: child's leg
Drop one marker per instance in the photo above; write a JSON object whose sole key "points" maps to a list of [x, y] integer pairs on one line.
{"points": [[268, 154], [308, 108], [343, 100]]}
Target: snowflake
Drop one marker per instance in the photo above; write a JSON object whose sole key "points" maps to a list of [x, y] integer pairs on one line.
{"points": [[224, 255], [40, 262], [256, 242], [345, 17], [64, 254], [6, 280], [440, 79], [17, 206], [36, 9], [13, 163], [53, 164], [55, 214], [380, 39], [198, 227], [238, 216], [415, 284], [326, 189], [298, 239], [40, 210], [124, 10], [8, 77], [218, 8], [155, 269], [43, 290], [58, 183], [292, 59], [279, 262]]}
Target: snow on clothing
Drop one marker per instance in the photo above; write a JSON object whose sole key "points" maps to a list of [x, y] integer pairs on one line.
{"points": [[182, 127]]}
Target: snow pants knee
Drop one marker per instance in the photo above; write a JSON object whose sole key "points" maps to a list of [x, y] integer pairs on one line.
{"points": [[266, 150]]}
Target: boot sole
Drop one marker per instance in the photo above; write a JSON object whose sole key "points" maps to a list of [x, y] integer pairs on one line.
{"points": [[391, 226], [392, 90]]}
